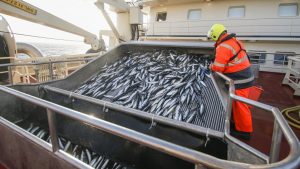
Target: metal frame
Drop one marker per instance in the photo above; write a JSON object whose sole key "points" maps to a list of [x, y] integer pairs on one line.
{"points": [[231, 92], [45, 145], [49, 63], [151, 117], [268, 64], [188, 28], [199, 159], [292, 76], [280, 127], [44, 18], [161, 120], [100, 5]]}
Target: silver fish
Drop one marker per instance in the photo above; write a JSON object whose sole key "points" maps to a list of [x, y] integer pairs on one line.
{"points": [[160, 82]]}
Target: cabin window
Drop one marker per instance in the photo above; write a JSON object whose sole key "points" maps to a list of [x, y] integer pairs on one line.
{"points": [[281, 58], [161, 16], [236, 12], [257, 57], [194, 14], [288, 10]]}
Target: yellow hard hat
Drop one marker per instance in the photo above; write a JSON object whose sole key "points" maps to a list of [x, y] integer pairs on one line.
{"points": [[215, 31]]}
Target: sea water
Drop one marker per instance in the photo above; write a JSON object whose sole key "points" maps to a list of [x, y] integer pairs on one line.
{"points": [[57, 49]]}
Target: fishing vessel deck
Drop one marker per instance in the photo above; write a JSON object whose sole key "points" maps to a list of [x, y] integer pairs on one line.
{"points": [[136, 138], [277, 95], [261, 138]]}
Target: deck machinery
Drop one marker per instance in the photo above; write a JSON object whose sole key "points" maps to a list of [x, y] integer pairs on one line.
{"points": [[132, 138]]}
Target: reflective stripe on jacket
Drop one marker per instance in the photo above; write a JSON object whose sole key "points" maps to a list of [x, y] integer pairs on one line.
{"points": [[232, 60]]}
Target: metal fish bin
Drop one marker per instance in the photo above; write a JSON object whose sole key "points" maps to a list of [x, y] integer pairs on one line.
{"points": [[163, 90]]}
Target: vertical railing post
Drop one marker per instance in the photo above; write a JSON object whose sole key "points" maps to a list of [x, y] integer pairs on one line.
{"points": [[36, 70], [229, 106], [50, 70], [276, 142], [10, 78], [290, 63], [52, 128], [231, 91]]}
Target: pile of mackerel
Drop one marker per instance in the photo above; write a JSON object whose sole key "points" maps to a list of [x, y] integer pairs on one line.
{"points": [[168, 83], [82, 153]]}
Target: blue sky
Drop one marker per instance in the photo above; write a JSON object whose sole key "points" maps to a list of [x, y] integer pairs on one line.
{"points": [[82, 13]]}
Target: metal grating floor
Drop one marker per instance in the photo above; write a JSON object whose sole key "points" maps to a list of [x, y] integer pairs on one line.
{"points": [[214, 118]]}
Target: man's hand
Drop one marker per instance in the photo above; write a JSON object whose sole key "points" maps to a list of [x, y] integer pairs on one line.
{"points": [[210, 66]]}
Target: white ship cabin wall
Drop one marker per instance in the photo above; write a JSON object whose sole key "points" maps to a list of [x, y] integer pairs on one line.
{"points": [[267, 27]]}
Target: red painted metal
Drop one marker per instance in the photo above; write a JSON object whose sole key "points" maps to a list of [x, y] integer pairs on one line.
{"points": [[2, 167]]}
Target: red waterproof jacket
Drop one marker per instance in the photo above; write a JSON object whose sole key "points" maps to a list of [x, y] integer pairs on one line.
{"points": [[232, 60]]}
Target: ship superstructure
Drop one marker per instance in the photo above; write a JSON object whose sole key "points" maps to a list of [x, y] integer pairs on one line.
{"points": [[270, 29]]}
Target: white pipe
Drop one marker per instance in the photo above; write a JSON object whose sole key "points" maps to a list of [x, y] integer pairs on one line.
{"points": [[28, 49]]}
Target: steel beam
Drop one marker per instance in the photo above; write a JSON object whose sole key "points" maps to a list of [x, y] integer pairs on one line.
{"points": [[52, 128], [42, 17], [276, 143]]}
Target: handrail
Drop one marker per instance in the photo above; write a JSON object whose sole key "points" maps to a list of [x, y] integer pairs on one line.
{"points": [[45, 62], [296, 58], [180, 152], [199, 27], [9, 57], [149, 141], [280, 126], [90, 57], [279, 53], [50, 63], [227, 19], [267, 61], [291, 77]]}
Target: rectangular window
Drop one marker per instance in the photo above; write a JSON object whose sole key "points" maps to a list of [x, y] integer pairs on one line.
{"points": [[288, 10], [281, 58], [161, 16], [194, 14], [236, 12], [257, 56]]}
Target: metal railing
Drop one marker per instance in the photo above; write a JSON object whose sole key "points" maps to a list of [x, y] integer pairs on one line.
{"points": [[280, 127], [198, 158], [272, 62], [48, 70], [264, 57], [245, 26], [51, 75], [292, 76]]}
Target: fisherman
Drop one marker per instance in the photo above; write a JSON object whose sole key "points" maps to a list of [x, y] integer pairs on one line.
{"points": [[232, 60]]}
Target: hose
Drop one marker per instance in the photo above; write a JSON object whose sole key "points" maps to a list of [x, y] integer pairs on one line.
{"points": [[291, 120]]}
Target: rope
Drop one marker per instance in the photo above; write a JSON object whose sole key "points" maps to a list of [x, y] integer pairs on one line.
{"points": [[153, 123], [207, 137], [291, 120], [41, 37]]}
